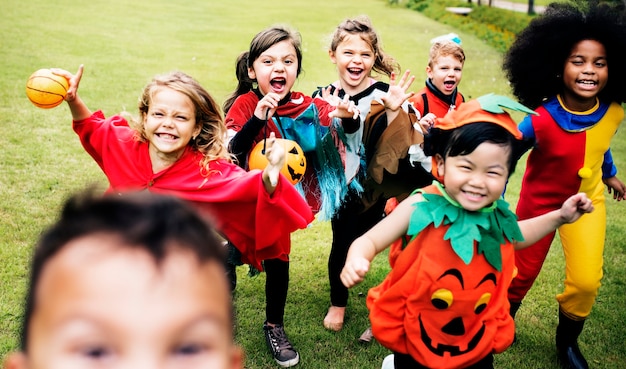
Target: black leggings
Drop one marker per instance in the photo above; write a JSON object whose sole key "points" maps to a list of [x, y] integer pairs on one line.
{"points": [[404, 361], [348, 224], [276, 286], [276, 283]]}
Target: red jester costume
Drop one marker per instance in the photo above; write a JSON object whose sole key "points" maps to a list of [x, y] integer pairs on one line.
{"points": [[571, 155]]}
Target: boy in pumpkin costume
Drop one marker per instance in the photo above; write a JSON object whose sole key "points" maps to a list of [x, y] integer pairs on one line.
{"points": [[444, 304]]}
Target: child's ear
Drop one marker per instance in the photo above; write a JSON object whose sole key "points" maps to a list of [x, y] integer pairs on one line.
{"points": [[251, 74], [15, 360], [440, 165], [196, 131], [429, 72], [332, 56]]}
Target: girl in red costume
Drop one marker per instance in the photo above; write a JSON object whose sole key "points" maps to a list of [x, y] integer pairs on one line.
{"points": [[177, 148], [566, 65], [444, 303], [262, 103]]}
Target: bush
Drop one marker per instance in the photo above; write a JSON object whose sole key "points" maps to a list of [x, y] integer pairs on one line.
{"points": [[496, 27]]}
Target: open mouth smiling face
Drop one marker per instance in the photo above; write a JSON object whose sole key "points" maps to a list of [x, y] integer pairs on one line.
{"points": [[278, 84]]}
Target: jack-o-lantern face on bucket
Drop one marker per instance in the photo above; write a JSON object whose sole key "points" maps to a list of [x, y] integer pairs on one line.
{"points": [[450, 320], [295, 165]]}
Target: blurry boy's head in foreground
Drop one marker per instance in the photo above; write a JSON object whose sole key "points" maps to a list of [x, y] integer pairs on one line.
{"points": [[132, 281]]}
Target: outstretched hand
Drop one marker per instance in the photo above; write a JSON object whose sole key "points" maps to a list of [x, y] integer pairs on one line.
{"points": [[397, 94], [345, 108], [72, 79], [333, 98], [575, 206], [276, 157], [354, 271]]}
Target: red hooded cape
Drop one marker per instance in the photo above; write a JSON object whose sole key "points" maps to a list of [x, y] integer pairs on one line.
{"points": [[236, 200]]}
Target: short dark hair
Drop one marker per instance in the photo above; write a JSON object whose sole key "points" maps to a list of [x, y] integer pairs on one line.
{"points": [[143, 220], [465, 139]]}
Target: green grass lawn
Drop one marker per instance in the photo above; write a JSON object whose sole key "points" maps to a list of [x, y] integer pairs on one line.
{"points": [[123, 44]]}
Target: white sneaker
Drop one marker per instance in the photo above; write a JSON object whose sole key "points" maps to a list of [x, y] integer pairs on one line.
{"points": [[388, 362]]}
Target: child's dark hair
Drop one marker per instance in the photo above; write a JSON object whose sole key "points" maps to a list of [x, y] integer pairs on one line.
{"points": [[534, 63], [465, 139], [261, 42], [153, 223]]}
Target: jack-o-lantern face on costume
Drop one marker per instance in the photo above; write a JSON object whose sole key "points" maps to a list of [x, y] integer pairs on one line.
{"points": [[451, 320], [451, 299], [295, 165]]}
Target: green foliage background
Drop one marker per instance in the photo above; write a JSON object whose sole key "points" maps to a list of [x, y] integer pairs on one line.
{"points": [[123, 44]]}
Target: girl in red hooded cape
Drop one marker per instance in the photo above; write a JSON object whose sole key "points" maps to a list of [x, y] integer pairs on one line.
{"points": [[444, 304], [178, 148]]}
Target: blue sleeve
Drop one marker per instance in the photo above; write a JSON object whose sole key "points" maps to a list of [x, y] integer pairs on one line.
{"points": [[608, 167], [526, 127]]}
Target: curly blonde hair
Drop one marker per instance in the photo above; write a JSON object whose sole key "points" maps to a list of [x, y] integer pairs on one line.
{"points": [[211, 141]]}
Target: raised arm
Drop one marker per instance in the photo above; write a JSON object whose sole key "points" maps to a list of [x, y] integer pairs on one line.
{"points": [[536, 228], [382, 235], [79, 110], [397, 94]]}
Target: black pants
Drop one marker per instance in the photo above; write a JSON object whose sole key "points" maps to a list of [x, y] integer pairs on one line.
{"points": [[348, 224], [276, 286], [276, 283], [404, 361]]}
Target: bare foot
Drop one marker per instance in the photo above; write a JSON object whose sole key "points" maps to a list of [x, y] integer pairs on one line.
{"points": [[334, 318]]}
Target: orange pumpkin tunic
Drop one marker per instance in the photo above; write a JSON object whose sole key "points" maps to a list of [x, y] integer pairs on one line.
{"points": [[444, 302]]}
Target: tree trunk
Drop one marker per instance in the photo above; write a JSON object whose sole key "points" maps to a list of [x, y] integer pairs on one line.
{"points": [[531, 7]]}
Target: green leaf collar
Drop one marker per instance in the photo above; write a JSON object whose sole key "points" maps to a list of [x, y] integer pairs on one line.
{"points": [[488, 227]]}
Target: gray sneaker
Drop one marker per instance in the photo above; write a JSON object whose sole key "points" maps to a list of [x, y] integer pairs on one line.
{"points": [[279, 345]]}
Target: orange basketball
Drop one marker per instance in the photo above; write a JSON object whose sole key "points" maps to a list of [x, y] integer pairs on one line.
{"points": [[46, 89], [295, 165]]}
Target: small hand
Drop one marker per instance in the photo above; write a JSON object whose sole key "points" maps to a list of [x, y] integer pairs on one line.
{"points": [[354, 271], [427, 122], [73, 81], [616, 186], [332, 99], [276, 157], [345, 109], [397, 94], [266, 107], [575, 206]]}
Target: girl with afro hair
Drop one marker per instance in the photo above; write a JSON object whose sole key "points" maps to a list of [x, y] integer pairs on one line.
{"points": [[566, 66]]}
